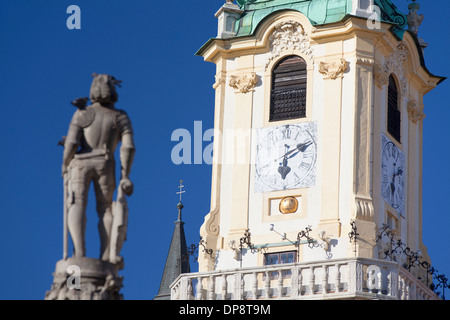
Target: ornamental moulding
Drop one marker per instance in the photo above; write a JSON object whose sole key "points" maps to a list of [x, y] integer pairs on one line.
{"points": [[288, 35], [415, 112], [243, 83], [333, 70], [364, 208], [220, 79], [393, 64], [365, 61]]}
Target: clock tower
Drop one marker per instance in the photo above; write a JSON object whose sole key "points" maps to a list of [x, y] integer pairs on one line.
{"points": [[318, 132]]}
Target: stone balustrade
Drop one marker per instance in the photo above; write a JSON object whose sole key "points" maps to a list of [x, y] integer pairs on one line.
{"points": [[350, 278]]}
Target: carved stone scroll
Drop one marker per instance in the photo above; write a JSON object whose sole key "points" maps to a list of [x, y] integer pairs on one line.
{"points": [[364, 208], [288, 35], [415, 112]]}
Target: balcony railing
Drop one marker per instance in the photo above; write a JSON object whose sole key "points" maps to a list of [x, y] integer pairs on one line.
{"points": [[351, 278]]}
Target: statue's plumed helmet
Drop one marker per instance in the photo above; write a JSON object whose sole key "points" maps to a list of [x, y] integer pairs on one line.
{"points": [[103, 89]]}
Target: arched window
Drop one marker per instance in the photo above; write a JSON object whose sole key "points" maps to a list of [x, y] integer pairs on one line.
{"points": [[288, 95], [394, 113]]}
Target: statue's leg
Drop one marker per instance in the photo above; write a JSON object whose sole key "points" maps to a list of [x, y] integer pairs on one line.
{"points": [[76, 219], [104, 190]]}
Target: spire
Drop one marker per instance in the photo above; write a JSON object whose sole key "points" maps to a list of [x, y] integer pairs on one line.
{"points": [[177, 261]]}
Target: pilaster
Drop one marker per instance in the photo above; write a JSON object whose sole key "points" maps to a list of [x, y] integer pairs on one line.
{"points": [[242, 146]]}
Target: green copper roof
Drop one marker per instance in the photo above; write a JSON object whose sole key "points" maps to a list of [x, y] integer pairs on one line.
{"points": [[390, 13], [318, 12]]}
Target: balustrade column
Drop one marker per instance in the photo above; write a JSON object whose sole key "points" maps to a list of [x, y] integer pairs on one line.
{"points": [[389, 284], [294, 282], [408, 289], [401, 289], [211, 288], [351, 277], [238, 283], [337, 279], [280, 283], [393, 282], [189, 289], [183, 288], [255, 286], [300, 282], [311, 281], [242, 286], [324, 279], [267, 285], [224, 287], [175, 292], [198, 295]]}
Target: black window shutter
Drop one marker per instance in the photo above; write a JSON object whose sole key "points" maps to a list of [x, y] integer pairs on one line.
{"points": [[394, 114], [288, 95]]}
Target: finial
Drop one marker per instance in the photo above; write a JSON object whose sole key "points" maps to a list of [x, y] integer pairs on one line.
{"points": [[414, 19], [180, 205], [181, 189]]}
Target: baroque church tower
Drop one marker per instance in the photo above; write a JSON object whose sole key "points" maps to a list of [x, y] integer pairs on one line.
{"points": [[317, 166]]}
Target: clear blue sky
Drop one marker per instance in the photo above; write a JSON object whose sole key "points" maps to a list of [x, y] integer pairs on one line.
{"points": [[150, 45]]}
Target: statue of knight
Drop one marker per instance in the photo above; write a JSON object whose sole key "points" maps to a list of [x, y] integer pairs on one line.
{"points": [[94, 134]]}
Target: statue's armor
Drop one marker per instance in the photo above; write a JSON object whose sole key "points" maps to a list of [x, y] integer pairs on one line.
{"points": [[96, 130]]}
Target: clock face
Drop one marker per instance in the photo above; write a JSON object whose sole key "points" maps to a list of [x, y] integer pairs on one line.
{"points": [[286, 157], [393, 175]]}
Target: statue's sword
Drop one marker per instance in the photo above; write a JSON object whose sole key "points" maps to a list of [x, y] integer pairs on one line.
{"points": [[65, 213], [65, 230]]}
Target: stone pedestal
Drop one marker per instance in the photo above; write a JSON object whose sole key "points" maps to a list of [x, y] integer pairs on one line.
{"points": [[227, 16], [85, 279]]}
